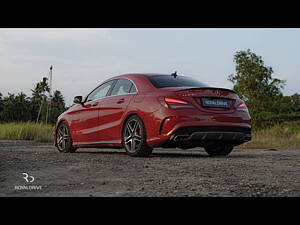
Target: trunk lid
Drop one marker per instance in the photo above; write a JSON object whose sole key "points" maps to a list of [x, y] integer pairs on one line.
{"points": [[209, 99]]}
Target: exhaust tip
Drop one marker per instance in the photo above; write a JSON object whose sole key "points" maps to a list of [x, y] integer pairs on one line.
{"points": [[181, 137]]}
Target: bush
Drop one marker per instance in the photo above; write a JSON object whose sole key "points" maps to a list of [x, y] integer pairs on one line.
{"points": [[268, 119]]}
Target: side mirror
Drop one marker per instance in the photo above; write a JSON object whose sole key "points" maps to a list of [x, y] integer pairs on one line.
{"points": [[78, 100]]}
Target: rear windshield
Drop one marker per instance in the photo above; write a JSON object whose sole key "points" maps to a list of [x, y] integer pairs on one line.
{"points": [[163, 81]]}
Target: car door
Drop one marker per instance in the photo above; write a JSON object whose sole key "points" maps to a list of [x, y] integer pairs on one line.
{"points": [[86, 117], [112, 110]]}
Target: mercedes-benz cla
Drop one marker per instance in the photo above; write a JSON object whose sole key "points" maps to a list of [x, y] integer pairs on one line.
{"points": [[139, 112]]}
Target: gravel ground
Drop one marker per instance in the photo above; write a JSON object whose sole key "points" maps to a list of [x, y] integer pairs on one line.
{"points": [[167, 172]]}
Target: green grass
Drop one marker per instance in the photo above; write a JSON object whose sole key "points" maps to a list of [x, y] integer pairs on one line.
{"points": [[284, 135], [27, 131]]}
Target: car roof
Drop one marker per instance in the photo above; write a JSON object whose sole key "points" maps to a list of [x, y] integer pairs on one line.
{"points": [[140, 74], [147, 74]]}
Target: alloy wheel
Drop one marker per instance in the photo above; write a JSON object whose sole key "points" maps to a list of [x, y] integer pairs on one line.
{"points": [[62, 137], [133, 135]]}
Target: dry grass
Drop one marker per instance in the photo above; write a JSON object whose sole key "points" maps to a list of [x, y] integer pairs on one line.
{"points": [[285, 135], [27, 131]]}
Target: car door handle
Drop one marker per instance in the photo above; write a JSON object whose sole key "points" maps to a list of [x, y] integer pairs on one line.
{"points": [[121, 101], [95, 104]]}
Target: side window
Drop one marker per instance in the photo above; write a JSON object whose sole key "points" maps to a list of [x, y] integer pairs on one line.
{"points": [[100, 92], [123, 86], [133, 89]]}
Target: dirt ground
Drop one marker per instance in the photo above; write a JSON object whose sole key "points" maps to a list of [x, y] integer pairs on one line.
{"points": [[167, 172]]}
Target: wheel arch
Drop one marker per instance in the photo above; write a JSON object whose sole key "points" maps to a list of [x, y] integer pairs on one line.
{"points": [[125, 120]]}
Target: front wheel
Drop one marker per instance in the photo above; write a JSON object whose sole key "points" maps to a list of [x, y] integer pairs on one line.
{"points": [[64, 139], [134, 137], [219, 150]]}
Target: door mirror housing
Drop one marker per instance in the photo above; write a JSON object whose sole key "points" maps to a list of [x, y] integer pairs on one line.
{"points": [[78, 100]]}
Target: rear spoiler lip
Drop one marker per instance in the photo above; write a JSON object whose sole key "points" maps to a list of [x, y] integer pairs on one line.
{"points": [[214, 88]]}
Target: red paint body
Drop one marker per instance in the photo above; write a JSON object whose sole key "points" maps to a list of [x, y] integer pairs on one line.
{"points": [[100, 122]]}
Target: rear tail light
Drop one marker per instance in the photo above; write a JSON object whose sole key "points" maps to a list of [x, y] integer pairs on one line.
{"points": [[242, 107], [174, 103]]}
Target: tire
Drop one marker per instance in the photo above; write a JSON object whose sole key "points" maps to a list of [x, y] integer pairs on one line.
{"points": [[219, 150], [64, 139], [134, 137]]}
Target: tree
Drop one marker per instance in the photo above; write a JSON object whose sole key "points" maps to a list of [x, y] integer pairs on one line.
{"points": [[20, 108], [295, 99], [57, 105], [289, 104], [1, 103], [15, 108], [254, 83], [8, 104], [39, 100]]}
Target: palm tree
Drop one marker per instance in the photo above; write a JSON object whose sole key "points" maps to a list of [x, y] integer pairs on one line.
{"points": [[39, 98], [58, 105]]}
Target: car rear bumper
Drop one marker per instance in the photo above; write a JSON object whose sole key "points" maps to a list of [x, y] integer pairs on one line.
{"points": [[193, 125], [200, 136], [212, 133]]}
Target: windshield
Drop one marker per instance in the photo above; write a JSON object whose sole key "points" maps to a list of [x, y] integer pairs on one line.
{"points": [[162, 81]]}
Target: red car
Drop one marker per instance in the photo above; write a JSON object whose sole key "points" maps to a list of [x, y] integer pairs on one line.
{"points": [[139, 112]]}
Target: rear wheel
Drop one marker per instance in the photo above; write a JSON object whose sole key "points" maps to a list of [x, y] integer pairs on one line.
{"points": [[63, 138], [219, 150], [134, 137]]}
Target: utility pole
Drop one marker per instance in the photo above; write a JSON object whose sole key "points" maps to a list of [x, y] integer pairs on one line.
{"points": [[50, 94], [37, 120]]}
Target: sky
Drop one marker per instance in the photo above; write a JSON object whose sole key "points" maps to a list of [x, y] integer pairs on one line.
{"points": [[83, 58]]}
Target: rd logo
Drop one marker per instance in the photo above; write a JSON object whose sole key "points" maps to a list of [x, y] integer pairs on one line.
{"points": [[26, 176]]}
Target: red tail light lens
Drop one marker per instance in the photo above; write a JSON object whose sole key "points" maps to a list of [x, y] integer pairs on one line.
{"points": [[174, 103], [242, 107]]}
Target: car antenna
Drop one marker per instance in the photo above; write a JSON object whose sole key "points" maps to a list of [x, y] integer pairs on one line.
{"points": [[174, 74]]}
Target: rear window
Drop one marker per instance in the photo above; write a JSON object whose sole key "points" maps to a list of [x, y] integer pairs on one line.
{"points": [[163, 81]]}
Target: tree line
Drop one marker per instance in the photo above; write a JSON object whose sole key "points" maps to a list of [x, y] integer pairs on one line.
{"points": [[262, 93], [35, 108]]}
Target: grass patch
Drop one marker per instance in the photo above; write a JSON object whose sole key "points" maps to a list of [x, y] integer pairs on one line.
{"points": [[284, 135], [37, 132]]}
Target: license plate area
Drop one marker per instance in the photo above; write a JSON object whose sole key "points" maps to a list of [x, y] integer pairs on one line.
{"points": [[216, 103]]}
